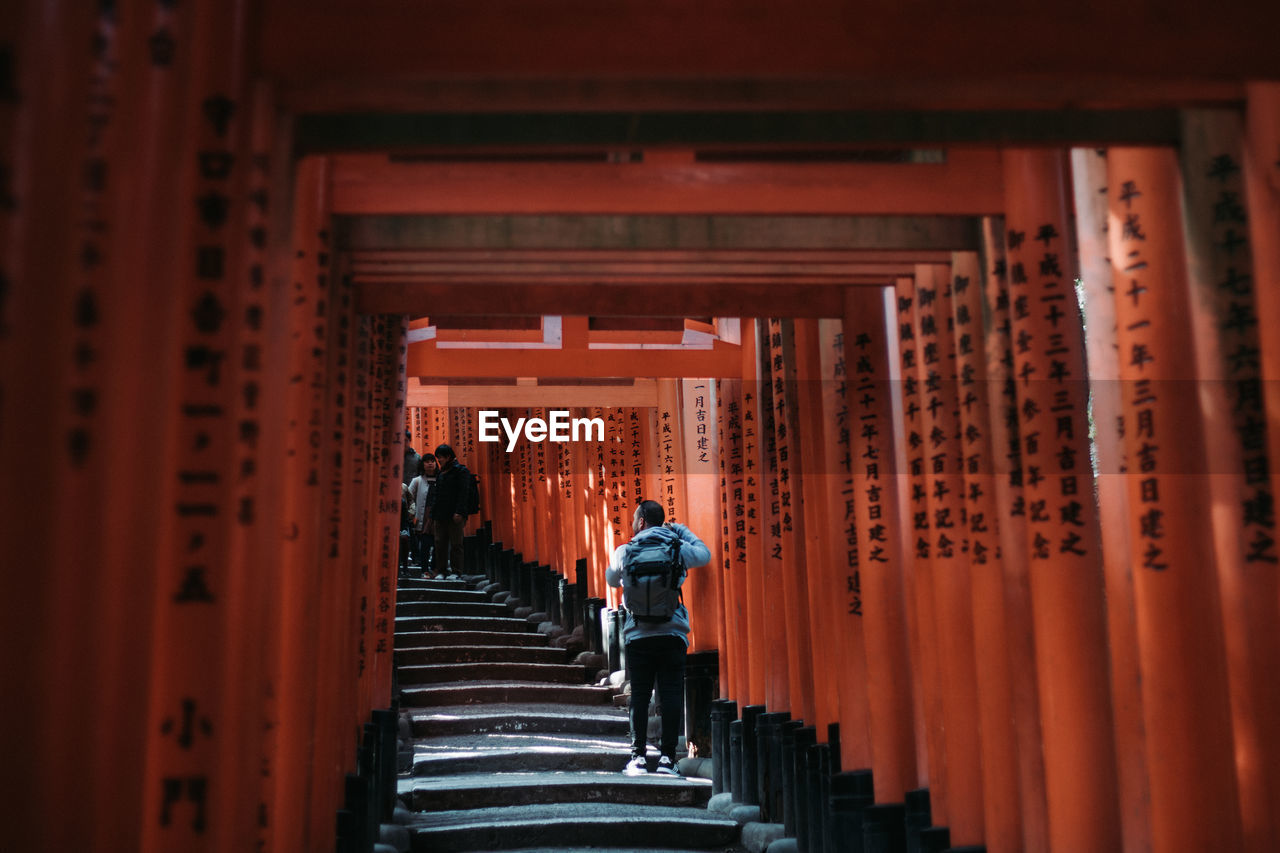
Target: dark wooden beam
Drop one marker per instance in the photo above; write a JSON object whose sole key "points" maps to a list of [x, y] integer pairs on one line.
{"points": [[966, 182], [782, 298], [327, 133], [1080, 90], [721, 361], [653, 232], [305, 40]]}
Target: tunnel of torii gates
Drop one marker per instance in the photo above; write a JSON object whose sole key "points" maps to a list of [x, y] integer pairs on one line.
{"points": [[974, 410]]}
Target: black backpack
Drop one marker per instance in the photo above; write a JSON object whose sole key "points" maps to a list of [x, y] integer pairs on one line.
{"points": [[471, 498], [651, 574]]}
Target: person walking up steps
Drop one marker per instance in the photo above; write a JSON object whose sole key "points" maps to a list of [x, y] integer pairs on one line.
{"points": [[449, 512], [650, 569]]}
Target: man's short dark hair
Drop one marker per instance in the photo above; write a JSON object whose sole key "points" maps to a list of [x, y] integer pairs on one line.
{"points": [[446, 451], [651, 512]]}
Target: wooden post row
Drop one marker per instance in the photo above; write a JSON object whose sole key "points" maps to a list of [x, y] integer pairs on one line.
{"points": [[875, 481], [1180, 633], [917, 567], [1006, 461], [1063, 539], [843, 596], [1226, 303], [980, 524]]}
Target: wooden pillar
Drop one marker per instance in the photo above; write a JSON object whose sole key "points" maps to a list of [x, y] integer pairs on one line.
{"points": [[731, 561], [753, 432], [1001, 806], [798, 574], [922, 619], [1262, 191], [830, 585], [343, 542], [259, 415], [1064, 547], [293, 799], [50, 400], [953, 596], [839, 536], [1180, 632], [697, 417], [1260, 182], [875, 483], [1007, 464], [1089, 177]]}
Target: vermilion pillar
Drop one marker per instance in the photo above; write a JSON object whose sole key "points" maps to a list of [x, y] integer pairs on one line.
{"points": [[953, 597], [777, 581], [697, 416], [1262, 177], [184, 793], [1089, 178], [1194, 800], [298, 615], [1228, 348], [1006, 461], [733, 536], [45, 400], [754, 484], [1064, 544], [876, 483], [838, 537], [918, 565], [1261, 172], [1002, 809]]}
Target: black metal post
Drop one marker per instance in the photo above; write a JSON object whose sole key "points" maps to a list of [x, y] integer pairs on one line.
{"points": [[851, 792], [884, 829], [918, 817], [750, 761]]}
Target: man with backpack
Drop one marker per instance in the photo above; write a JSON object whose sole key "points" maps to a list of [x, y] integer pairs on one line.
{"points": [[456, 497], [651, 569]]}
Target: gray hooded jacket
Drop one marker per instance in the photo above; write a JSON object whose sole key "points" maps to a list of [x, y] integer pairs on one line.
{"points": [[695, 553]]}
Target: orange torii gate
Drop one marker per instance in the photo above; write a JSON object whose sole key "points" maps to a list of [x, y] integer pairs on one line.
{"points": [[205, 391]]}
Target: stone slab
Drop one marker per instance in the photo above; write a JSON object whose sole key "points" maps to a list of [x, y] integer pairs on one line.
{"points": [[470, 596], [757, 837], [518, 692], [480, 654], [566, 825], [429, 639], [484, 790], [483, 718], [448, 608], [445, 672], [463, 623]]}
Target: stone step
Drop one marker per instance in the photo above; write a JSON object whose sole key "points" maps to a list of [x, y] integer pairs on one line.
{"points": [[558, 849], [432, 639], [521, 718], [449, 608], [487, 790], [462, 596], [410, 624], [523, 752], [565, 825], [437, 673], [479, 654], [422, 583], [511, 692]]}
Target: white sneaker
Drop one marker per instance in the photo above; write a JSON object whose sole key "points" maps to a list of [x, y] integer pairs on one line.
{"points": [[665, 766], [637, 766]]}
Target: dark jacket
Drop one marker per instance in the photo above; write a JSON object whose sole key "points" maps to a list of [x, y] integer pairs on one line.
{"points": [[412, 464], [451, 492]]}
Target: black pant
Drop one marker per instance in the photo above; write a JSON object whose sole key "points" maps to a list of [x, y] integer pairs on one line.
{"points": [[660, 659]]}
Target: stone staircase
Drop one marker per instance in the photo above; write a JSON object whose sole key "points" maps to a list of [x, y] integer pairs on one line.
{"points": [[514, 749]]}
